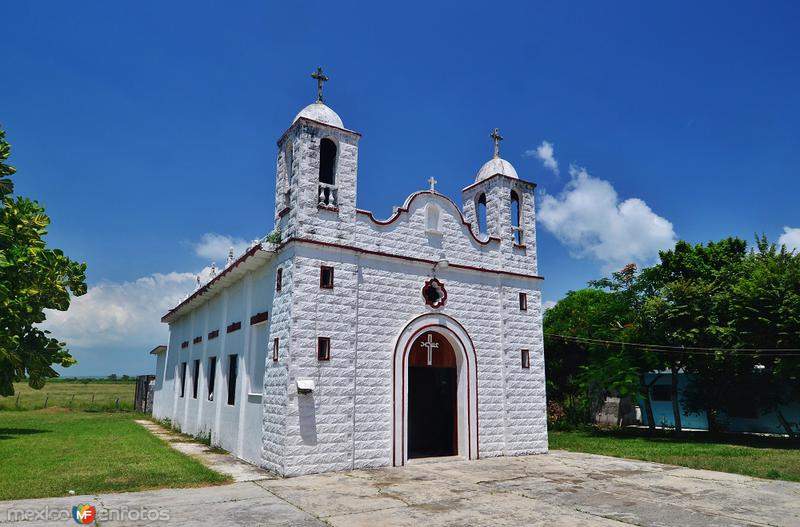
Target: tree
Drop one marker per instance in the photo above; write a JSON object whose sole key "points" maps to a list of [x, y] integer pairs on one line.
{"points": [[33, 278], [580, 314], [764, 312]]}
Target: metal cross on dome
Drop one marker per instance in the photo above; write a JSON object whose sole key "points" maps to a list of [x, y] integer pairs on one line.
{"points": [[320, 78], [496, 137], [430, 345], [432, 183]]}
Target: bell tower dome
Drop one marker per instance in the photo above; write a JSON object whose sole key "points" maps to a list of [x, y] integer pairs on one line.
{"points": [[317, 166]]}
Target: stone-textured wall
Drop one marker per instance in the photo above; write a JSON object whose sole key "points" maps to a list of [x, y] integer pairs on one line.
{"points": [[347, 421]]}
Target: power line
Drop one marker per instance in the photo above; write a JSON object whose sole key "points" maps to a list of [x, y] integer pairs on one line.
{"points": [[693, 350]]}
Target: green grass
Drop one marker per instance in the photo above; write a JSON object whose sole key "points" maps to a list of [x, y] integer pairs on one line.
{"points": [[72, 394], [761, 457], [50, 452]]}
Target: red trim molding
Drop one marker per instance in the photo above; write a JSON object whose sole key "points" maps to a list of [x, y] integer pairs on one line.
{"points": [[407, 258], [213, 334], [236, 326], [197, 340], [394, 217], [250, 252], [530, 183], [259, 317], [318, 123], [184, 344]]}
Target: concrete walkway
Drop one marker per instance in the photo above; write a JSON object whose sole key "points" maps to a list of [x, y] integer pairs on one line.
{"points": [[557, 489], [218, 460]]}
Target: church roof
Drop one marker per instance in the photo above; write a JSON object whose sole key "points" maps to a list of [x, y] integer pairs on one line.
{"points": [[318, 111], [494, 166]]}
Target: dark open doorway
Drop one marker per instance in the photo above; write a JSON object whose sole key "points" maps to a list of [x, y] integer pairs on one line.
{"points": [[432, 398]]}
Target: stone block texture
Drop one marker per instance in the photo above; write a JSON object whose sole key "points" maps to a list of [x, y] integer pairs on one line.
{"points": [[380, 268]]}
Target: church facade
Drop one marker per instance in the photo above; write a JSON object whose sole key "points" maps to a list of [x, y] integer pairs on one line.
{"points": [[347, 341]]}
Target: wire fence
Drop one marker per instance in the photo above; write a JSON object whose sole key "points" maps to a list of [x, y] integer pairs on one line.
{"points": [[102, 397]]}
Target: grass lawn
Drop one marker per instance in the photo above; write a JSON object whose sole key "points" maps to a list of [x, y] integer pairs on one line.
{"points": [[74, 394], [762, 457], [50, 452]]}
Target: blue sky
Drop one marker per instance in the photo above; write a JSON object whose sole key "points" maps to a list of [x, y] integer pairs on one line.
{"points": [[148, 129]]}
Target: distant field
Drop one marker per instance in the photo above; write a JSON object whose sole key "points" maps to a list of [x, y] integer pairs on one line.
{"points": [[72, 393], [52, 452]]}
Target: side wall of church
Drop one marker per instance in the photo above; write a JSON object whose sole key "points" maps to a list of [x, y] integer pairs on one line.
{"points": [[235, 427]]}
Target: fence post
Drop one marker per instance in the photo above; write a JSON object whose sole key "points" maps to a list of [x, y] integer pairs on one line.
{"points": [[18, 394], [92, 398], [46, 397], [117, 403], [72, 400]]}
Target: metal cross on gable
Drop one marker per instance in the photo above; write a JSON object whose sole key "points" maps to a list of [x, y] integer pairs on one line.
{"points": [[320, 78], [496, 138], [430, 345]]}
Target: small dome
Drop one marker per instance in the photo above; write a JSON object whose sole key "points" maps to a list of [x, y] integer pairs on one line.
{"points": [[317, 111], [494, 166]]}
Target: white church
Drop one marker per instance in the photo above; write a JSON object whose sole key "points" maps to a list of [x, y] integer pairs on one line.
{"points": [[345, 341]]}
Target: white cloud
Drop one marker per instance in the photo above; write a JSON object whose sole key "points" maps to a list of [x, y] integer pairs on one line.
{"points": [[790, 238], [547, 304], [545, 153], [215, 247], [122, 312], [129, 313], [588, 217]]}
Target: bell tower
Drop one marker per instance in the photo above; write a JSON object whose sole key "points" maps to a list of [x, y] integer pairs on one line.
{"points": [[501, 205], [317, 168]]}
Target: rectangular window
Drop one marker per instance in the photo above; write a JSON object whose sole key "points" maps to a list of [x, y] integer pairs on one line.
{"points": [[212, 375], [195, 378], [275, 344], [278, 280], [232, 363], [526, 359], [324, 348], [183, 378], [258, 318], [257, 358], [523, 301], [213, 334], [326, 277], [661, 392]]}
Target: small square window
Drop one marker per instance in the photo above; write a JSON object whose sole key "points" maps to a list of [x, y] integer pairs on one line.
{"points": [[278, 280], [326, 277], [523, 301], [324, 348], [275, 345], [526, 359]]}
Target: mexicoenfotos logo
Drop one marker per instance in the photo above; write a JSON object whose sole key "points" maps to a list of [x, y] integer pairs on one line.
{"points": [[84, 513]]}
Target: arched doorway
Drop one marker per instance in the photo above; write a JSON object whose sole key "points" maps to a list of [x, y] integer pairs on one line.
{"points": [[432, 397], [459, 359]]}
